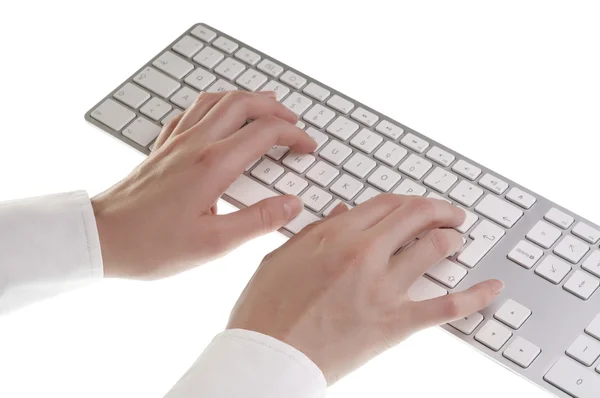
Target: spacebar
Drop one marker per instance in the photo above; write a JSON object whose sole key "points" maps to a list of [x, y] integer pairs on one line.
{"points": [[248, 192]]}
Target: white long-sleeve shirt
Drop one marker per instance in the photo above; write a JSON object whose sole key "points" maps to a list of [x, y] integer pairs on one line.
{"points": [[50, 244]]}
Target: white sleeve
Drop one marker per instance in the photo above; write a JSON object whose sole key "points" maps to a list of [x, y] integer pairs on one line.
{"points": [[244, 364], [48, 245]]}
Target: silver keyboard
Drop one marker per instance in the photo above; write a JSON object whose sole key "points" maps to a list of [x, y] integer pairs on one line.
{"points": [[545, 325]]}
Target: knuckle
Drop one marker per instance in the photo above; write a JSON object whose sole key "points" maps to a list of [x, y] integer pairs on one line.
{"points": [[425, 207], [389, 199], [208, 156], [452, 308]]}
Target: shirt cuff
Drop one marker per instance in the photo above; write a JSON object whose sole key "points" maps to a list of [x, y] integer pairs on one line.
{"points": [[243, 363], [48, 245]]}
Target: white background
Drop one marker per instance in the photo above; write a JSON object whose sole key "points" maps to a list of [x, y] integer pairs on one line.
{"points": [[513, 85]]}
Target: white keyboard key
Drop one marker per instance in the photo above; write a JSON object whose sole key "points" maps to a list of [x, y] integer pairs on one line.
{"points": [[301, 125], [525, 254], [293, 79], [223, 43], [298, 162], [281, 90], [423, 289], [447, 273], [248, 192], [553, 269], [297, 103], [172, 115], [277, 151], [390, 153], [248, 56], [317, 92], [322, 173], [185, 97], [335, 152], [390, 130], [342, 128], [522, 352], [364, 116], [113, 114], [317, 136], [410, 188], [319, 115], [581, 284], [586, 232], [544, 234], [470, 220], [157, 82], [187, 46], [302, 220], [513, 314], [485, 236], [267, 171], [466, 193], [155, 109], [440, 156], [131, 95], [200, 79], [315, 198], [559, 218], [340, 104], [440, 180], [291, 184], [251, 80], [494, 184], [359, 165], [173, 65], [415, 166], [573, 379], [593, 328], [571, 249], [585, 350], [347, 187], [366, 195], [270, 67], [203, 33], [230, 68], [384, 178], [592, 263], [142, 131], [493, 335], [366, 140], [415, 143], [208, 57], [332, 206], [499, 211], [221, 86], [466, 170], [434, 195], [520, 198], [468, 324]]}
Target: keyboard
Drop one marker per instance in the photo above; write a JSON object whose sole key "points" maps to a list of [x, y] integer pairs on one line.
{"points": [[544, 326]]}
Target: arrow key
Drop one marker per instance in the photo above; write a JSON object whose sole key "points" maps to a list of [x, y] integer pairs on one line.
{"points": [[522, 352], [513, 314], [467, 324], [493, 335], [582, 284], [571, 249]]}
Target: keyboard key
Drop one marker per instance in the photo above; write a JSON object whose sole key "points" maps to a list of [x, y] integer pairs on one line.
{"points": [[267, 171], [553, 269], [573, 379], [277, 152], [384, 178], [423, 289], [335, 152], [585, 232], [173, 65], [415, 143], [251, 80], [470, 220], [316, 135], [512, 314], [447, 273], [208, 57], [315, 198], [223, 43], [319, 115], [485, 236], [293, 79], [142, 131], [203, 33], [317, 92], [248, 56], [302, 220], [522, 352], [270, 67], [593, 328], [466, 193], [494, 184], [200, 79], [440, 180], [131, 95], [390, 153], [468, 324], [559, 218], [297, 103], [367, 194], [410, 188], [301, 125], [155, 109], [440, 156], [347, 187], [592, 263], [466, 170], [291, 184], [364, 116], [112, 114], [544, 234], [571, 249], [585, 350], [582, 284], [172, 115], [322, 173], [359, 165], [366, 140], [248, 192], [298, 162], [520, 198], [156, 82], [415, 166], [493, 335], [229, 68], [342, 128], [525, 254], [389, 130], [185, 97], [340, 104], [281, 90], [499, 211], [220, 86]]}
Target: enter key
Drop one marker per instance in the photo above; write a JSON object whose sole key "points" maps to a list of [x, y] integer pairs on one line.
{"points": [[485, 236]]}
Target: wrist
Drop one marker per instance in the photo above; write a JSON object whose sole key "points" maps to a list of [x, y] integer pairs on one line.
{"points": [[106, 237]]}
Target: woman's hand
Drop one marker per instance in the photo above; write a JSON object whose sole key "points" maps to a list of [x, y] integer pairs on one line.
{"points": [[161, 219], [337, 292]]}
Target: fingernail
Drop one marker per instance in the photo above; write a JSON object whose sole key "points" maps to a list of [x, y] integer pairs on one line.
{"points": [[292, 206], [497, 286]]}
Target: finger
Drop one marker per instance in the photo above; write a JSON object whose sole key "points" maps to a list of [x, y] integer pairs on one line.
{"points": [[166, 131], [340, 208], [454, 306], [372, 211], [261, 218], [203, 104]]}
